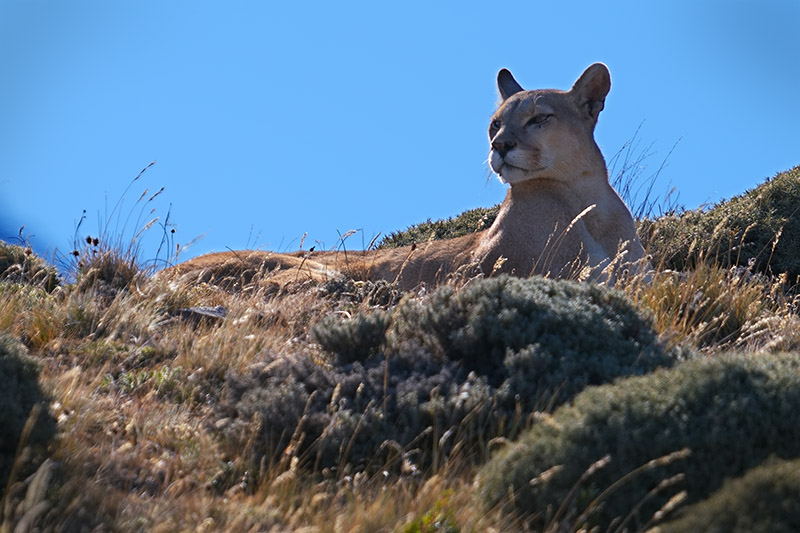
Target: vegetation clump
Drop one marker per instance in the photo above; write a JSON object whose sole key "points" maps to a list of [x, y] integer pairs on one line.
{"points": [[764, 500], [106, 269], [19, 264], [730, 412], [457, 368]]}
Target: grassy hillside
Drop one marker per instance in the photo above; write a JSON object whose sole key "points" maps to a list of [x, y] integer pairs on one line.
{"points": [[134, 403]]}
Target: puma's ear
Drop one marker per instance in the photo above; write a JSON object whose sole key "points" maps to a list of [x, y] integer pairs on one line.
{"points": [[591, 89], [506, 84]]}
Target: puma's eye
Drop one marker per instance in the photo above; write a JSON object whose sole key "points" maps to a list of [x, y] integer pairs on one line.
{"points": [[496, 124], [538, 119]]}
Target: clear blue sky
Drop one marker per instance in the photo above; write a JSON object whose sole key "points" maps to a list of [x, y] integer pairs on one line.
{"points": [[271, 119]]}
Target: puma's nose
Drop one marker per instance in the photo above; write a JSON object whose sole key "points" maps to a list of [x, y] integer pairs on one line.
{"points": [[503, 147]]}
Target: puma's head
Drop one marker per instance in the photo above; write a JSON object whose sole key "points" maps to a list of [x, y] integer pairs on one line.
{"points": [[547, 133]]}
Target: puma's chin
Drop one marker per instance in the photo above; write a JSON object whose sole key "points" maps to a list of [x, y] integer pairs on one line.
{"points": [[496, 162], [508, 173], [511, 175]]}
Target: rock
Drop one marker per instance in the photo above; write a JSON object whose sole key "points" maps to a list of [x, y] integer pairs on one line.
{"points": [[203, 315]]}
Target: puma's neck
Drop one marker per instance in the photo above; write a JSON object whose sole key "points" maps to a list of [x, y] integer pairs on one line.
{"points": [[556, 201], [588, 187]]}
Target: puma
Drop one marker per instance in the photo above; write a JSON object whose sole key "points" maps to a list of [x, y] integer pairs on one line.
{"points": [[560, 218]]}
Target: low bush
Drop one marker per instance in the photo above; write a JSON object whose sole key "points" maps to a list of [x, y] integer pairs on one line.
{"points": [[21, 265], [19, 394], [764, 500], [730, 412], [547, 337], [408, 387], [353, 339]]}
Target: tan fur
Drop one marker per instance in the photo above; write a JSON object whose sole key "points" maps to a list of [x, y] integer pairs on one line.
{"points": [[560, 217]]}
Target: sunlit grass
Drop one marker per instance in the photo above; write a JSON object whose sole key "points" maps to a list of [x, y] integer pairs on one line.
{"points": [[134, 386], [712, 308]]}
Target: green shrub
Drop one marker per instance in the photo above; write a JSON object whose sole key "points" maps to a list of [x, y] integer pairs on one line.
{"points": [[738, 231], [21, 265], [352, 339], [416, 383], [765, 500], [372, 293], [18, 395], [547, 337], [731, 412], [467, 222]]}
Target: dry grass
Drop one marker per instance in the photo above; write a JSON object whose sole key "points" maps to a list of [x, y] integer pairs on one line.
{"points": [[133, 388], [713, 309]]}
